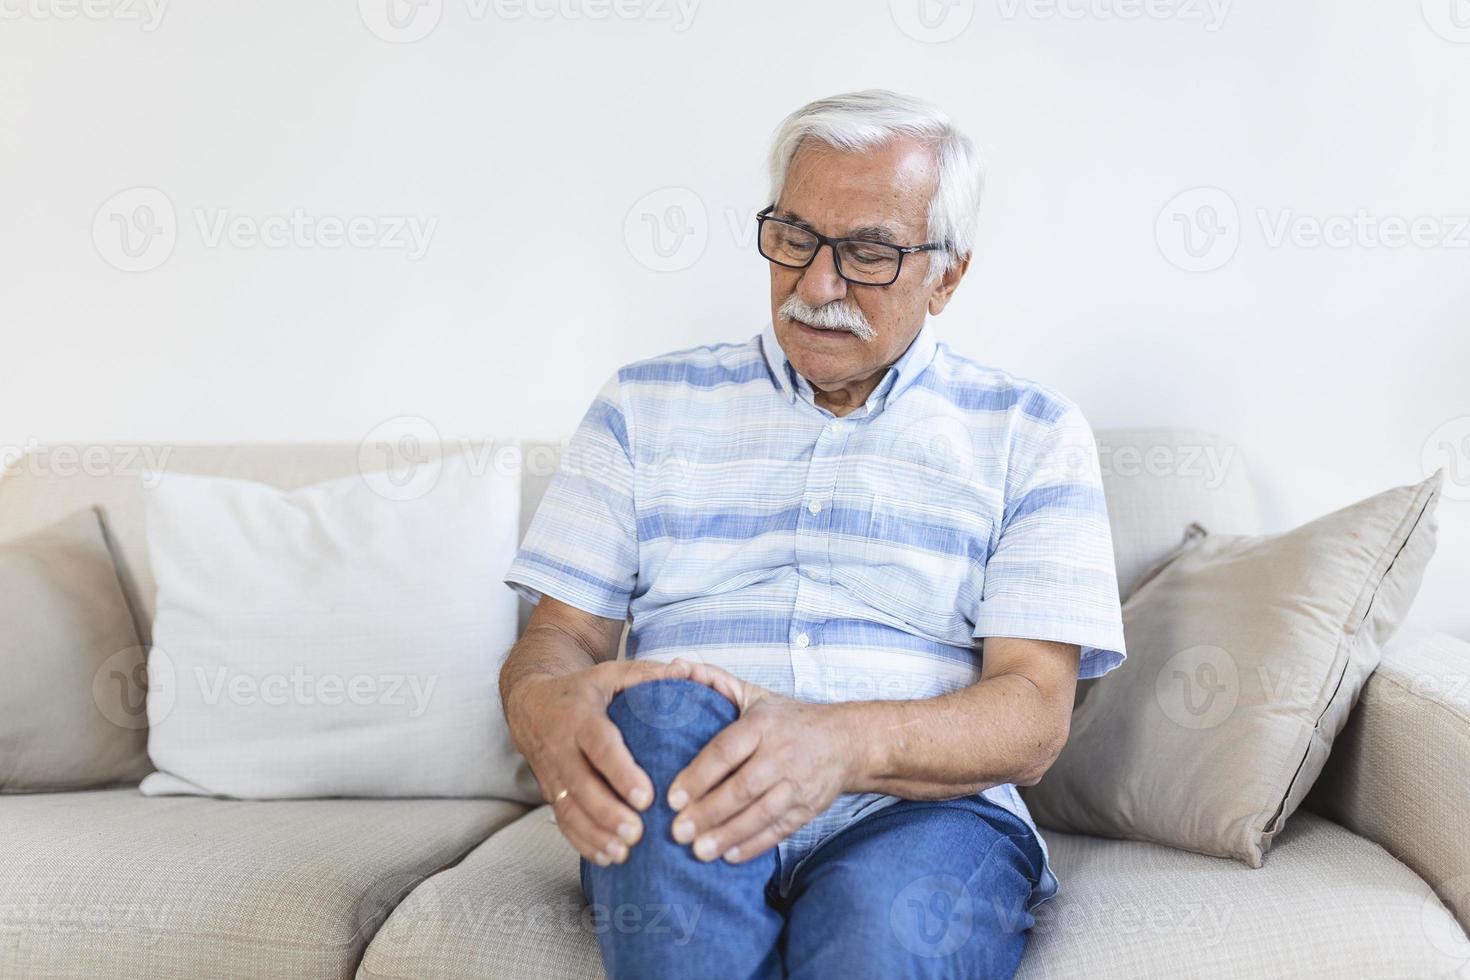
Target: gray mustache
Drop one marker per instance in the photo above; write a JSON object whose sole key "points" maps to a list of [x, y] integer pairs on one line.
{"points": [[836, 315]]}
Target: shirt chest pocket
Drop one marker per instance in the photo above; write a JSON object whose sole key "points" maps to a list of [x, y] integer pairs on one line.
{"points": [[922, 562]]}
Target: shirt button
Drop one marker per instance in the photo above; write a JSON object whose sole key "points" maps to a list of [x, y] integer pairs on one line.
{"points": [[815, 506], [802, 639]]}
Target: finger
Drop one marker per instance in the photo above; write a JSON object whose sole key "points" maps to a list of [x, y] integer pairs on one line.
{"points": [[635, 672], [718, 678], [738, 793], [716, 839], [606, 815], [590, 840], [778, 829], [607, 754], [721, 756]]}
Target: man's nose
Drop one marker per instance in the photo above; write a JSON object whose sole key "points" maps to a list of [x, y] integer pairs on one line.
{"points": [[819, 281]]}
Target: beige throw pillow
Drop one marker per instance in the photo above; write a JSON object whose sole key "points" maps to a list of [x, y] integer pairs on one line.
{"points": [[1245, 656], [71, 705]]}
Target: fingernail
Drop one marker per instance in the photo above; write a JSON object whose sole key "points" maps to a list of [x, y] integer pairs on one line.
{"points": [[617, 851], [640, 798], [733, 854], [628, 832], [600, 859], [705, 848], [684, 831], [677, 799]]}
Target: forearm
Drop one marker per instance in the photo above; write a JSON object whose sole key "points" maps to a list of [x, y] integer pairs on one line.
{"points": [[1000, 730], [544, 650]]}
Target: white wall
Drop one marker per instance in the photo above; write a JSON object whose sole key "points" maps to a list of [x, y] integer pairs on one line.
{"points": [[529, 130]]}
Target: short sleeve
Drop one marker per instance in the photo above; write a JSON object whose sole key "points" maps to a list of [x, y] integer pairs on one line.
{"points": [[582, 544], [1050, 575]]}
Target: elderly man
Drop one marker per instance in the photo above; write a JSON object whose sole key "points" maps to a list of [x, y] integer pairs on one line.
{"points": [[864, 574]]}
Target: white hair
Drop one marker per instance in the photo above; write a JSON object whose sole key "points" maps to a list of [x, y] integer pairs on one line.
{"points": [[859, 121]]}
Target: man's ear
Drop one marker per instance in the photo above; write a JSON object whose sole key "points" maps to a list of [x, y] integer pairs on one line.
{"points": [[946, 284]]}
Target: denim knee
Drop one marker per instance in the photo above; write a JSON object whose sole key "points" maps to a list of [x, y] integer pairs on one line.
{"points": [[731, 929], [666, 722]]}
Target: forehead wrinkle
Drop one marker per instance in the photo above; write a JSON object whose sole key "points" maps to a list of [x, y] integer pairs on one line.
{"points": [[901, 197], [882, 233]]}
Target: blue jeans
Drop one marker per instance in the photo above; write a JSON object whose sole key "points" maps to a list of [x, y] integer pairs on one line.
{"points": [[916, 889]]}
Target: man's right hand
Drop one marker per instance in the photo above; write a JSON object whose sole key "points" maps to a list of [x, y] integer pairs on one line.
{"points": [[559, 723]]}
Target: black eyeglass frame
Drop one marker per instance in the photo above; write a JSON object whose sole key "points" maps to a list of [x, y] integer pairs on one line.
{"points": [[765, 215]]}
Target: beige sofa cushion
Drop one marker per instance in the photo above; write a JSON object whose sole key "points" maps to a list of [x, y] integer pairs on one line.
{"points": [[71, 664], [1246, 655], [1329, 905], [109, 883], [1400, 771], [512, 908]]}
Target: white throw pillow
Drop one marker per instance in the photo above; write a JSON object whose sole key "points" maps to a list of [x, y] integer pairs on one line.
{"points": [[331, 641]]}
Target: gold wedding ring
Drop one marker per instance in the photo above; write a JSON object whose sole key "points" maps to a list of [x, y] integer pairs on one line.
{"points": [[563, 794]]}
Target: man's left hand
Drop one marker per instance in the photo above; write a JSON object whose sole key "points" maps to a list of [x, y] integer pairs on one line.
{"points": [[764, 776]]}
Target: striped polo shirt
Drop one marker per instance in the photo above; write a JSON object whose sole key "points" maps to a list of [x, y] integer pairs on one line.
{"points": [[708, 497]]}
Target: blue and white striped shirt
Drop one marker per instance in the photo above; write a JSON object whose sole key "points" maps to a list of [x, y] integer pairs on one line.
{"points": [[866, 557]]}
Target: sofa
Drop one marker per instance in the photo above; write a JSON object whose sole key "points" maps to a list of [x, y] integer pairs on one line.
{"points": [[1371, 878]]}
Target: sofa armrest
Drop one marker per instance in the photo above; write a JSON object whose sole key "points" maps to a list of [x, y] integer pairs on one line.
{"points": [[1399, 774]]}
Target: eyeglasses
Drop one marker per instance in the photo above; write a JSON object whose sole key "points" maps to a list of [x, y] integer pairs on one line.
{"points": [[858, 260]]}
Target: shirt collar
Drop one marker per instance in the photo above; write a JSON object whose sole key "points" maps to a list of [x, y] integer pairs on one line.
{"points": [[900, 374]]}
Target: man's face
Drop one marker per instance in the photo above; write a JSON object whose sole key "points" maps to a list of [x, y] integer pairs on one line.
{"points": [[882, 193]]}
